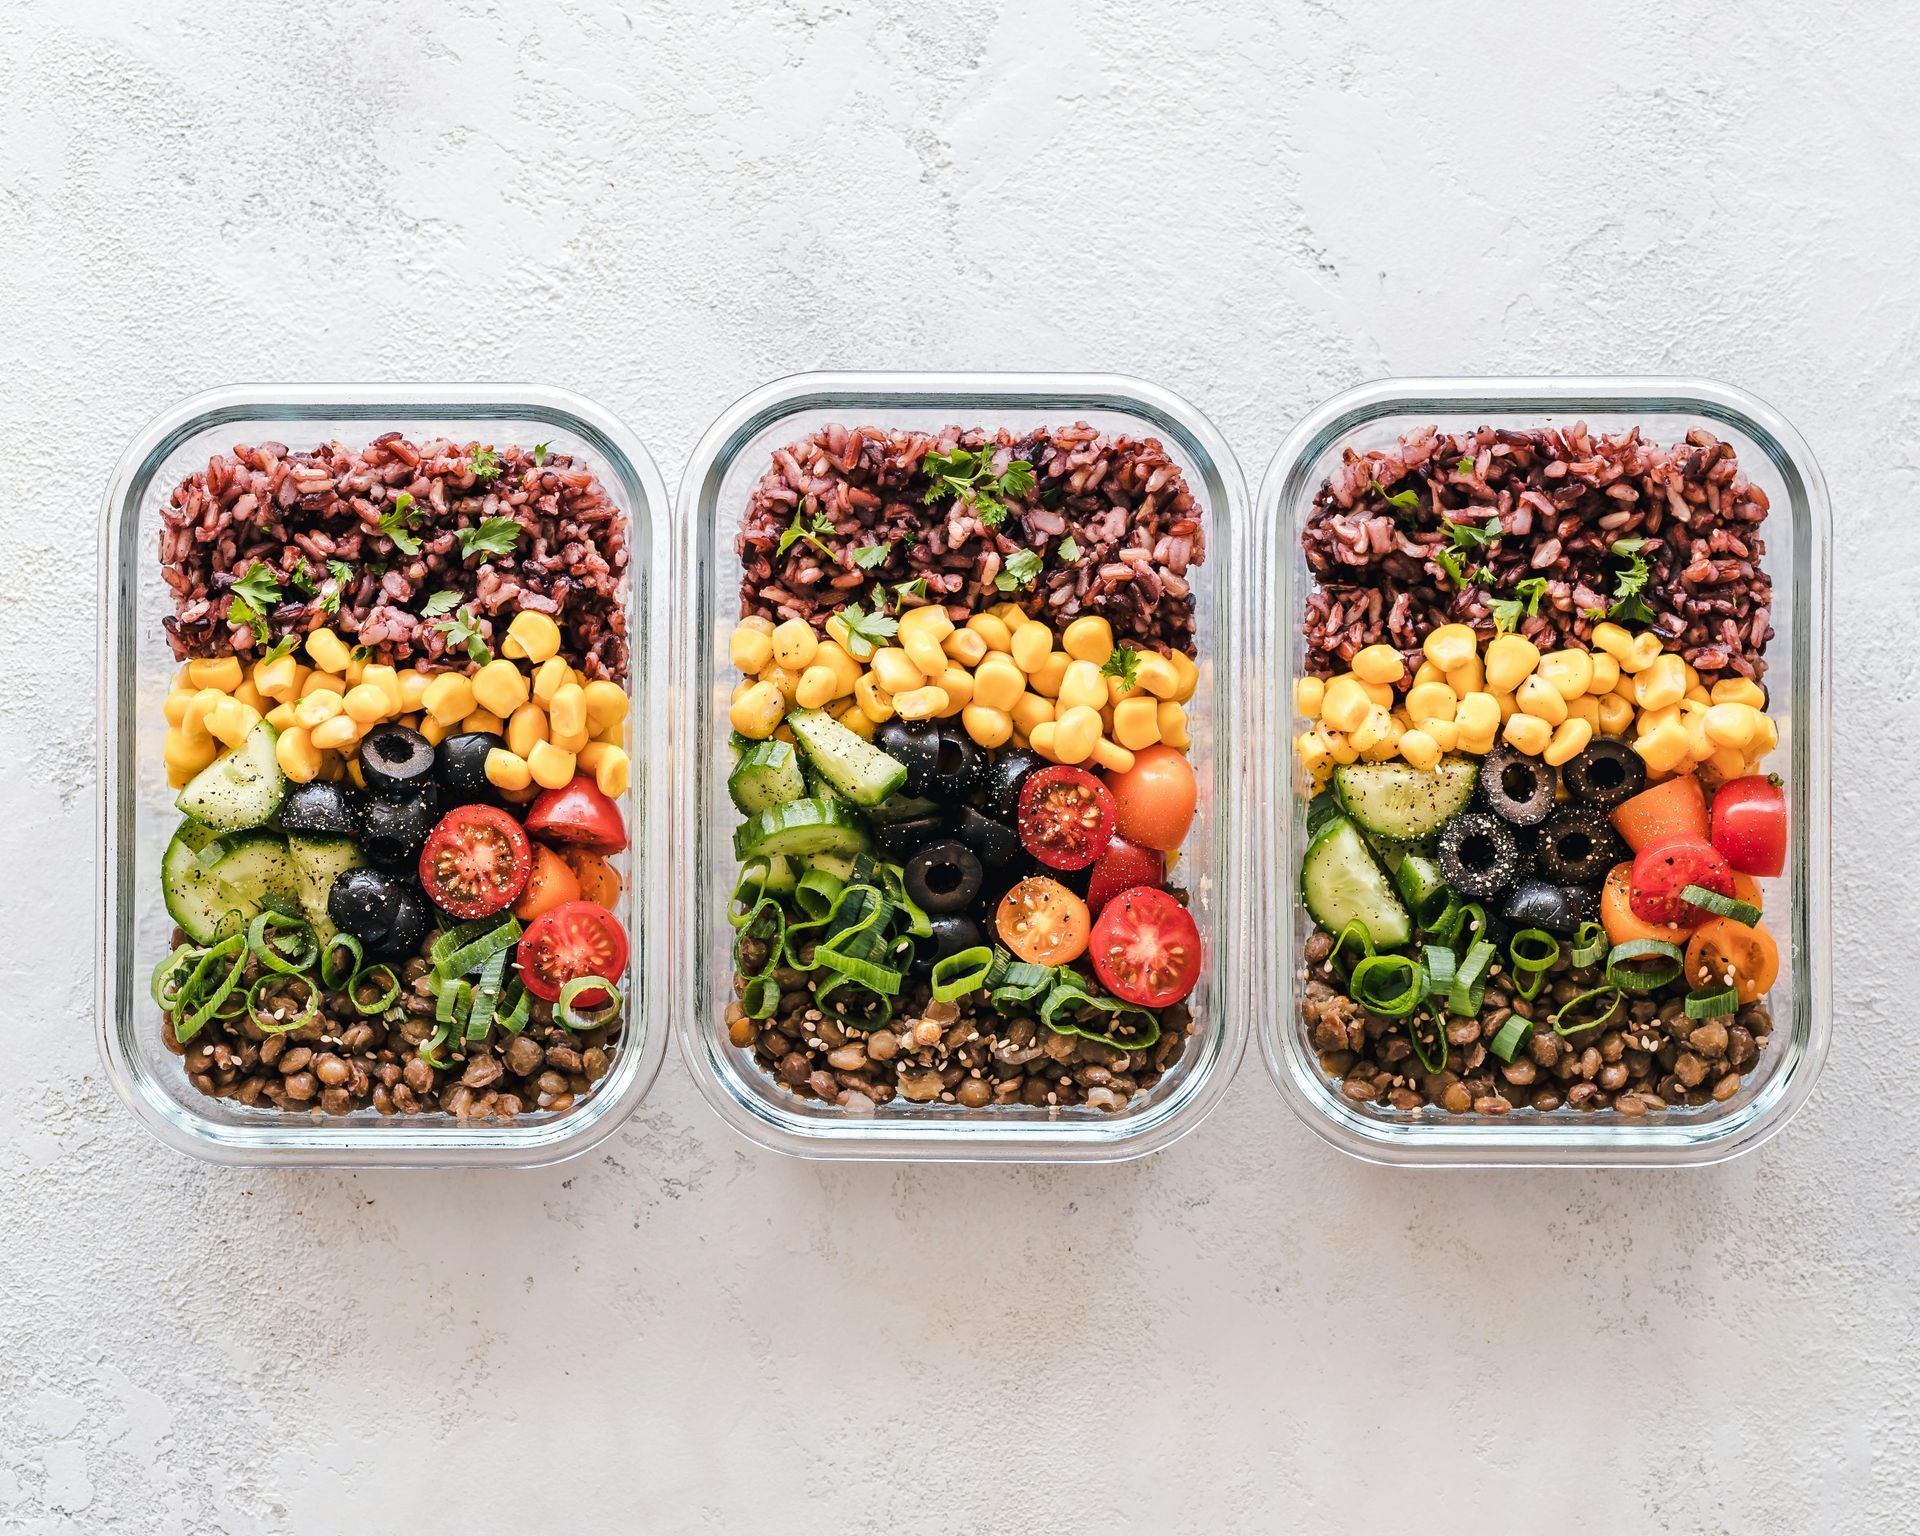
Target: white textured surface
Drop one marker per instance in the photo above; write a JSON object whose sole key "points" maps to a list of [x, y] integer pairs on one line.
{"points": [[680, 1333]]}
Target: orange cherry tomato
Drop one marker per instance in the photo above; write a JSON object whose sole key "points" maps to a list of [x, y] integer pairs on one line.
{"points": [[1723, 951], [1043, 922], [1154, 798], [551, 883], [1666, 810], [599, 881], [1747, 889], [1617, 915]]}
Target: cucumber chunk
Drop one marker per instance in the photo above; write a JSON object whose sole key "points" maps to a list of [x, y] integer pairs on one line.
{"points": [[1402, 802], [1341, 882], [768, 773], [801, 827], [249, 870], [319, 860], [854, 766], [240, 790]]}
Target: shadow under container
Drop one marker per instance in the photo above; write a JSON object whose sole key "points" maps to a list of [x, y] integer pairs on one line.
{"points": [[720, 478], [137, 814], [1797, 532]]}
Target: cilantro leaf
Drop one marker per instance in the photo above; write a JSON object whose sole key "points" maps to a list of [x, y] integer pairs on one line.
{"points": [[902, 590], [1506, 614], [281, 647], [301, 580], [485, 464], [240, 611], [1628, 604], [1465, 466], [258, 586], [1471, 536], [396, 523], [1022, 568], [1532, 589], [443, 601], [1406, 501], [962, 476], [540, 454], [867, 556], [340, 571], [1124, 664], [866, 631], [1449, 562], [1068, 549], [813, 529], [1506, 611], [339, 577], [462, 628], [494, 536]]}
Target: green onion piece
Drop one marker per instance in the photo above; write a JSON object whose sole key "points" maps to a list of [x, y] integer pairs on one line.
{"points": [[1355, 933], [1625, 970], [1389, 985], [430, 1047], [206, 1006], [1473, 921], [296, 956], [816, 891], [1013, 982], [333, 977], [1529, 983], [1443, 925], [592, 1018], [760, 997], [1721, 906], [757, 944], [871, 974], [1427, 1063], [1072, 991], [965, 971], [486, 996], [181, 964], [1568, 1021], [268, 1023], [851, 1004], [386, 1000], [1510, 1037], [1469, 984], [452, 1003], [1441, 966], [470, 951], [1422, 887], [748, 889], [1712, 1003], [1541, 950], [1589, 944], [518, 1007]]}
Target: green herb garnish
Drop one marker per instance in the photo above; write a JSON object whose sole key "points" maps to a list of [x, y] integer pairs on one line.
{"points": [[906, 589], [962, 476], [1526, 597], [1406, 501], [866, 631], [301, 580], [1465, 466], [813, 527], [258, 586], [463, 628], [1628, 604], [240, 611], [867, 556], [1449, 562], [494, 536], [1068, 549], [1472, 536], [1124, 664], [443, 601], [339, 575], [1022, 568], [485, 464], [540, 454], [396, 523], [281, 647]]}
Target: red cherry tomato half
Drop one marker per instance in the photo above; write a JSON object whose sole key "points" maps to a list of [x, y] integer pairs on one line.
{"points": [[578, 814], [1154, 798], [1122, 867], [578, 938], [1750, 825], [1663, 869], [1145, 948], [475, 862], [1066, 817]]}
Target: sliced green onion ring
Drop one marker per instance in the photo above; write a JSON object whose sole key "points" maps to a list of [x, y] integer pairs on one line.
{"points": [[1014, 982], [1469, 982], [1722, 906], [1427, 1063], [871, 974], [335, 978], [591, 1018], [1567, 1021], [760, 997], [453, 1003], [955, 975], [267, 1022], [1712, 1003], [1626, 970], [518, 1007], [1542, 950], [471, 952], [1511, 1035], [203, 1006], [850, 1003], [1389, 985], [816, 892], [1589, 944], [748, 889], [180, 963], [1441, 965], [430, 1047], [362, 1006], [486, 996], [1529, 983], [290, 961], [1355, 933]]}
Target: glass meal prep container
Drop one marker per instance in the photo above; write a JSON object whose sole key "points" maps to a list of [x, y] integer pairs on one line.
{"points": [[137, 814], [735, 452], [1797, 531]]}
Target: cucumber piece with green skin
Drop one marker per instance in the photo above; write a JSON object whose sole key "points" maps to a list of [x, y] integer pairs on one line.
{"points": [[242, 789], [802, 827], [1341, 882], [1402, 802], [839, 865], [249, 870], [1417, 877], [903, 808], [319, 860], [782, 877], [768, 773], [854, 766]]}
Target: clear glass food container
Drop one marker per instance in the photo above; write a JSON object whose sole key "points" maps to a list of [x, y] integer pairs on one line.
{"points": [[732, 456], [1797, 532], [136, 807]]}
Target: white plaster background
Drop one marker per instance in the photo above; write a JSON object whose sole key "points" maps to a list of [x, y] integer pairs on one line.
{"points": [[661, 206]]}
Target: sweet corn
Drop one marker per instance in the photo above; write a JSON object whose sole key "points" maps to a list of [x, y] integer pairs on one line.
{"points": [[925, 652], [1527, 733], [1427, 672], [1136, 723], [356, 773], [1507, 706], [1418, 748], [1451, 646], [1088, 638], [381, 676], [230, 720], [1738, 690], [1537, 696], [322, 682], [549, 766], [1613, 640], [993, 630], [449, 698], [965, 646], [413, 689], [176, 705], [1379, 664], [1345, 704], [1042, 740], [785, 681], [280, 717], [299, 759], [990, 727], [998, 682], [1081, 683], [1077, 730], [1157, 675], [485, 721], [337, 734], [1606, 673], [1726, 763], [1189, 675], [929, 619], [757, 712], [1478, 717], [615, 733], [1661, 683], [222, 672], [193, 719], [1664, 748], [958, 685], [1013, 616], [794, 643], [1444, 734], [251, 696], [1308, 692], [924, 703], [1432, 701], [356, 665], [1766, 737], [1586, 708], [1372, 730], [818, 686], [1510, 661], [1312, 747], [1644, 652], [1732, 725], [874, 702], [1700, 745], [278, 679], [1340, 747], [435, 731], [1111, 756], [549, 678], [1569, 670], [1052, 671], [507, 770], [1032, 643], [894, 670], [328, 651], [1469, 677], [368, 703], [1030, 710], [1570, 739], [187, 756], [531, 637], [612, 772], [317, 707], [1616, 715], [749, 649], [526, 726], [1172, 719], [832, 655], [501, 687]]}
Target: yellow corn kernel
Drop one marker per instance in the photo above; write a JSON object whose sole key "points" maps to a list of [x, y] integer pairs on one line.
{"points": [[957, 683], [1727, 763], [328, 651], [1379, 693], [1345, 704], [280, 717], [278, 679], [1613, 640], [1537, 696], [1664, 748], [794, 643], [1188, 673], [990, 727], [322, 682], [783, 679], [1606, 673], [1450, 646], [1478, 716], [186, 756], [193, 719], [516, 688], [1419, 749], [1643, 653], [1469, 677], [1700, 746], [1340, 747], [1050, 674], [1136, 723], [758, 711], [507, 770], [176, 705], [1616, 715], [549, 766], [449, 697], [526, 726], [924, 703], [749, 649], [1308, 695], [1077, 729], [613, 734], [298, 757], [998, 682], [1698, 694], [1312, 747], [568, 713], [1375, 728], [531, 637], [1111, 756], [930, 620], [1570, 739], [1766, 737], [1081, 683], [1586, 708], [230, 720], [993, 633], [1157, 675], [435, 731], [1378, 664], [1662, 683], [1432, 701], [966, 646], [1444, 734], [1031, 645], [1507, 704], [874, 701], [379, 675], [757, 622], [849, 715], [1569, 670], [1738, 690], [1088, 638], [1510, 661], [1030, 710], [221, 672], [250, 696], [895, 671], [1042, 739], [501, 687], [337, 734], [485, 721], [925, 653], [816, 689], [1172, 719], [1732, 725], [413, 686], [612, 772], [1527, 733], [356, 666], [1013, 616], [367, 703], [831, 655], [1427, 672]]}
